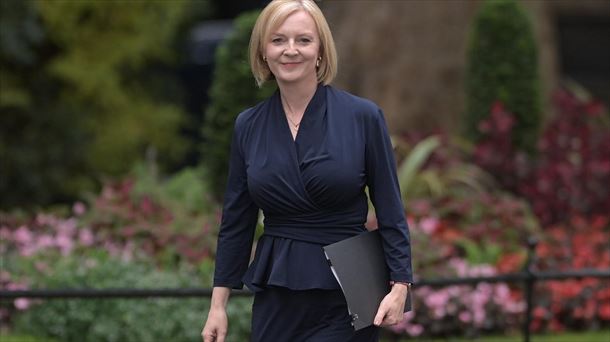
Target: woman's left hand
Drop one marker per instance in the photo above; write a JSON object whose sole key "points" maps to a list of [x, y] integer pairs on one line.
{"points": [[391, 309]]}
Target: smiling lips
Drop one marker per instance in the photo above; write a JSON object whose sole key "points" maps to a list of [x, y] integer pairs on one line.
{"points": [[290, 64]]}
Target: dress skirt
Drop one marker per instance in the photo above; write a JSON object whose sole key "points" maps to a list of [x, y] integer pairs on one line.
{"points": [[280, 314]]}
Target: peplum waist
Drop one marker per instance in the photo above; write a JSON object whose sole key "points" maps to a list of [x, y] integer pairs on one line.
{"points": [[290, 263]]}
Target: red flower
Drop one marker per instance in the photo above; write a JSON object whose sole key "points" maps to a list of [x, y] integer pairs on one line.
{"points": [[510, 262], [539, 312], [603, 295], [604, 311]]}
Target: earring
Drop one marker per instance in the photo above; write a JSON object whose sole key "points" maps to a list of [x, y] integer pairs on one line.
{"points": [[264, 58], [318, 61]]}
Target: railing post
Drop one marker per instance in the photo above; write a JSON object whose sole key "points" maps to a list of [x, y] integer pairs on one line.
{"points": [[530, 280]]}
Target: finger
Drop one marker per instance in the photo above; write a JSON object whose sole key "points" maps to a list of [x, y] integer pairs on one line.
{"points": [[208, 337], [380, 316], [388, 321], [221, 336]]}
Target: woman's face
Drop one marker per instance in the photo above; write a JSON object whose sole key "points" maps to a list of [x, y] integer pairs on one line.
{"points": [[292, 49]]}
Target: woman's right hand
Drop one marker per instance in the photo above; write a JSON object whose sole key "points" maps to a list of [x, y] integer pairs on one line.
{"points": [[215, 329]]}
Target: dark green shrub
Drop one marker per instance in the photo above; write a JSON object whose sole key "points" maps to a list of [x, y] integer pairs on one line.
{"points": [[503, 66], [233, 90], [84, 92]]}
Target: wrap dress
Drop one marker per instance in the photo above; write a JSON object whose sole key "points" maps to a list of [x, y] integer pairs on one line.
{"points": [[311, 191]]}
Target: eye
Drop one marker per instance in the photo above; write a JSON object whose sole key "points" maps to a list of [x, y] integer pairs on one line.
{"points": [[277, 40], [305, 40]]}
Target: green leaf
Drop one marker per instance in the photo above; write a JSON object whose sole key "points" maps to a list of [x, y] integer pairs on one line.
{"points": [[407, 171]]}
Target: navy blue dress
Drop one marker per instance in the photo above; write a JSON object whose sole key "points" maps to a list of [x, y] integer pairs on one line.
{"points": [[311, 192]]}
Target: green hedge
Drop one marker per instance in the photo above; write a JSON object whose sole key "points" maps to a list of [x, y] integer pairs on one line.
{"points": [[233, 90], [503, 66], [120, 320]]}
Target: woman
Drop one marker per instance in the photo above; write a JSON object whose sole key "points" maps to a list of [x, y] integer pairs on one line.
{"points": [[304, 156]]}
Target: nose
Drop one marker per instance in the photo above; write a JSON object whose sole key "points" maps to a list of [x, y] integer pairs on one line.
{"points": [[291, 49]]}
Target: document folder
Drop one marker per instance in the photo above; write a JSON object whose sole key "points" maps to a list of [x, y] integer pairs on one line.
{"points": [[359, 265]]}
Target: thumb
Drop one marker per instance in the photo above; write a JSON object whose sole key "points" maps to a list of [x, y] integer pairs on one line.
{"points": [[381, 312]]}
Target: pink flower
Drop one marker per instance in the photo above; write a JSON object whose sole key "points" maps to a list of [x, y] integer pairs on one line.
{"points": [[485, 289], [28, 250], [22, 303], [22, 235], [479, 298], [454, 291], [67, 227], [112, 248], [515, 307], [45, 241], [465, 316], [414, 329], [460, 266], [479, 316], [428, 225], [46, 220], [85, 237], [16, 286], [502, 294], [79, 208], [437, 301], [65, 244], [482, 271]]}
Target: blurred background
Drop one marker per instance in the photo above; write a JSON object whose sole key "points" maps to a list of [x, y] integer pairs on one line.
{"points": [[116, 118]]}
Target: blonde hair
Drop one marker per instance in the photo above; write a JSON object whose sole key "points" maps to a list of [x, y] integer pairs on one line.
{"points": [[272, 16]]}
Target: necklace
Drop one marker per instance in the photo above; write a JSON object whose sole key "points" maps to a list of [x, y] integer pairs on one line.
{"points": [[295, 124]]}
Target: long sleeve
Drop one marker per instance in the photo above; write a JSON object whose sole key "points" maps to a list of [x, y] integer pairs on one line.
{"points": [[239, 217], [385, 195]]}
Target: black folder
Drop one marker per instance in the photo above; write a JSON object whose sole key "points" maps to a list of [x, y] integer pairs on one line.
{"points": [[359, 265]]}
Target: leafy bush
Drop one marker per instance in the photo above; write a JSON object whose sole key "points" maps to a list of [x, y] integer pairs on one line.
{"points": [[575, 303], [124, 223], [85, 91], [115, 319], [172, 220], [475, 230], [461, 310], [481, 229], [48, 251], [503, 66], [485, 237], [460, 206], [570, 175], [431, 167], [233, 90]]}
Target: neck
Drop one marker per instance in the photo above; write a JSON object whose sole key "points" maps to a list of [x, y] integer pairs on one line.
{"points": [[297, 95]]}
